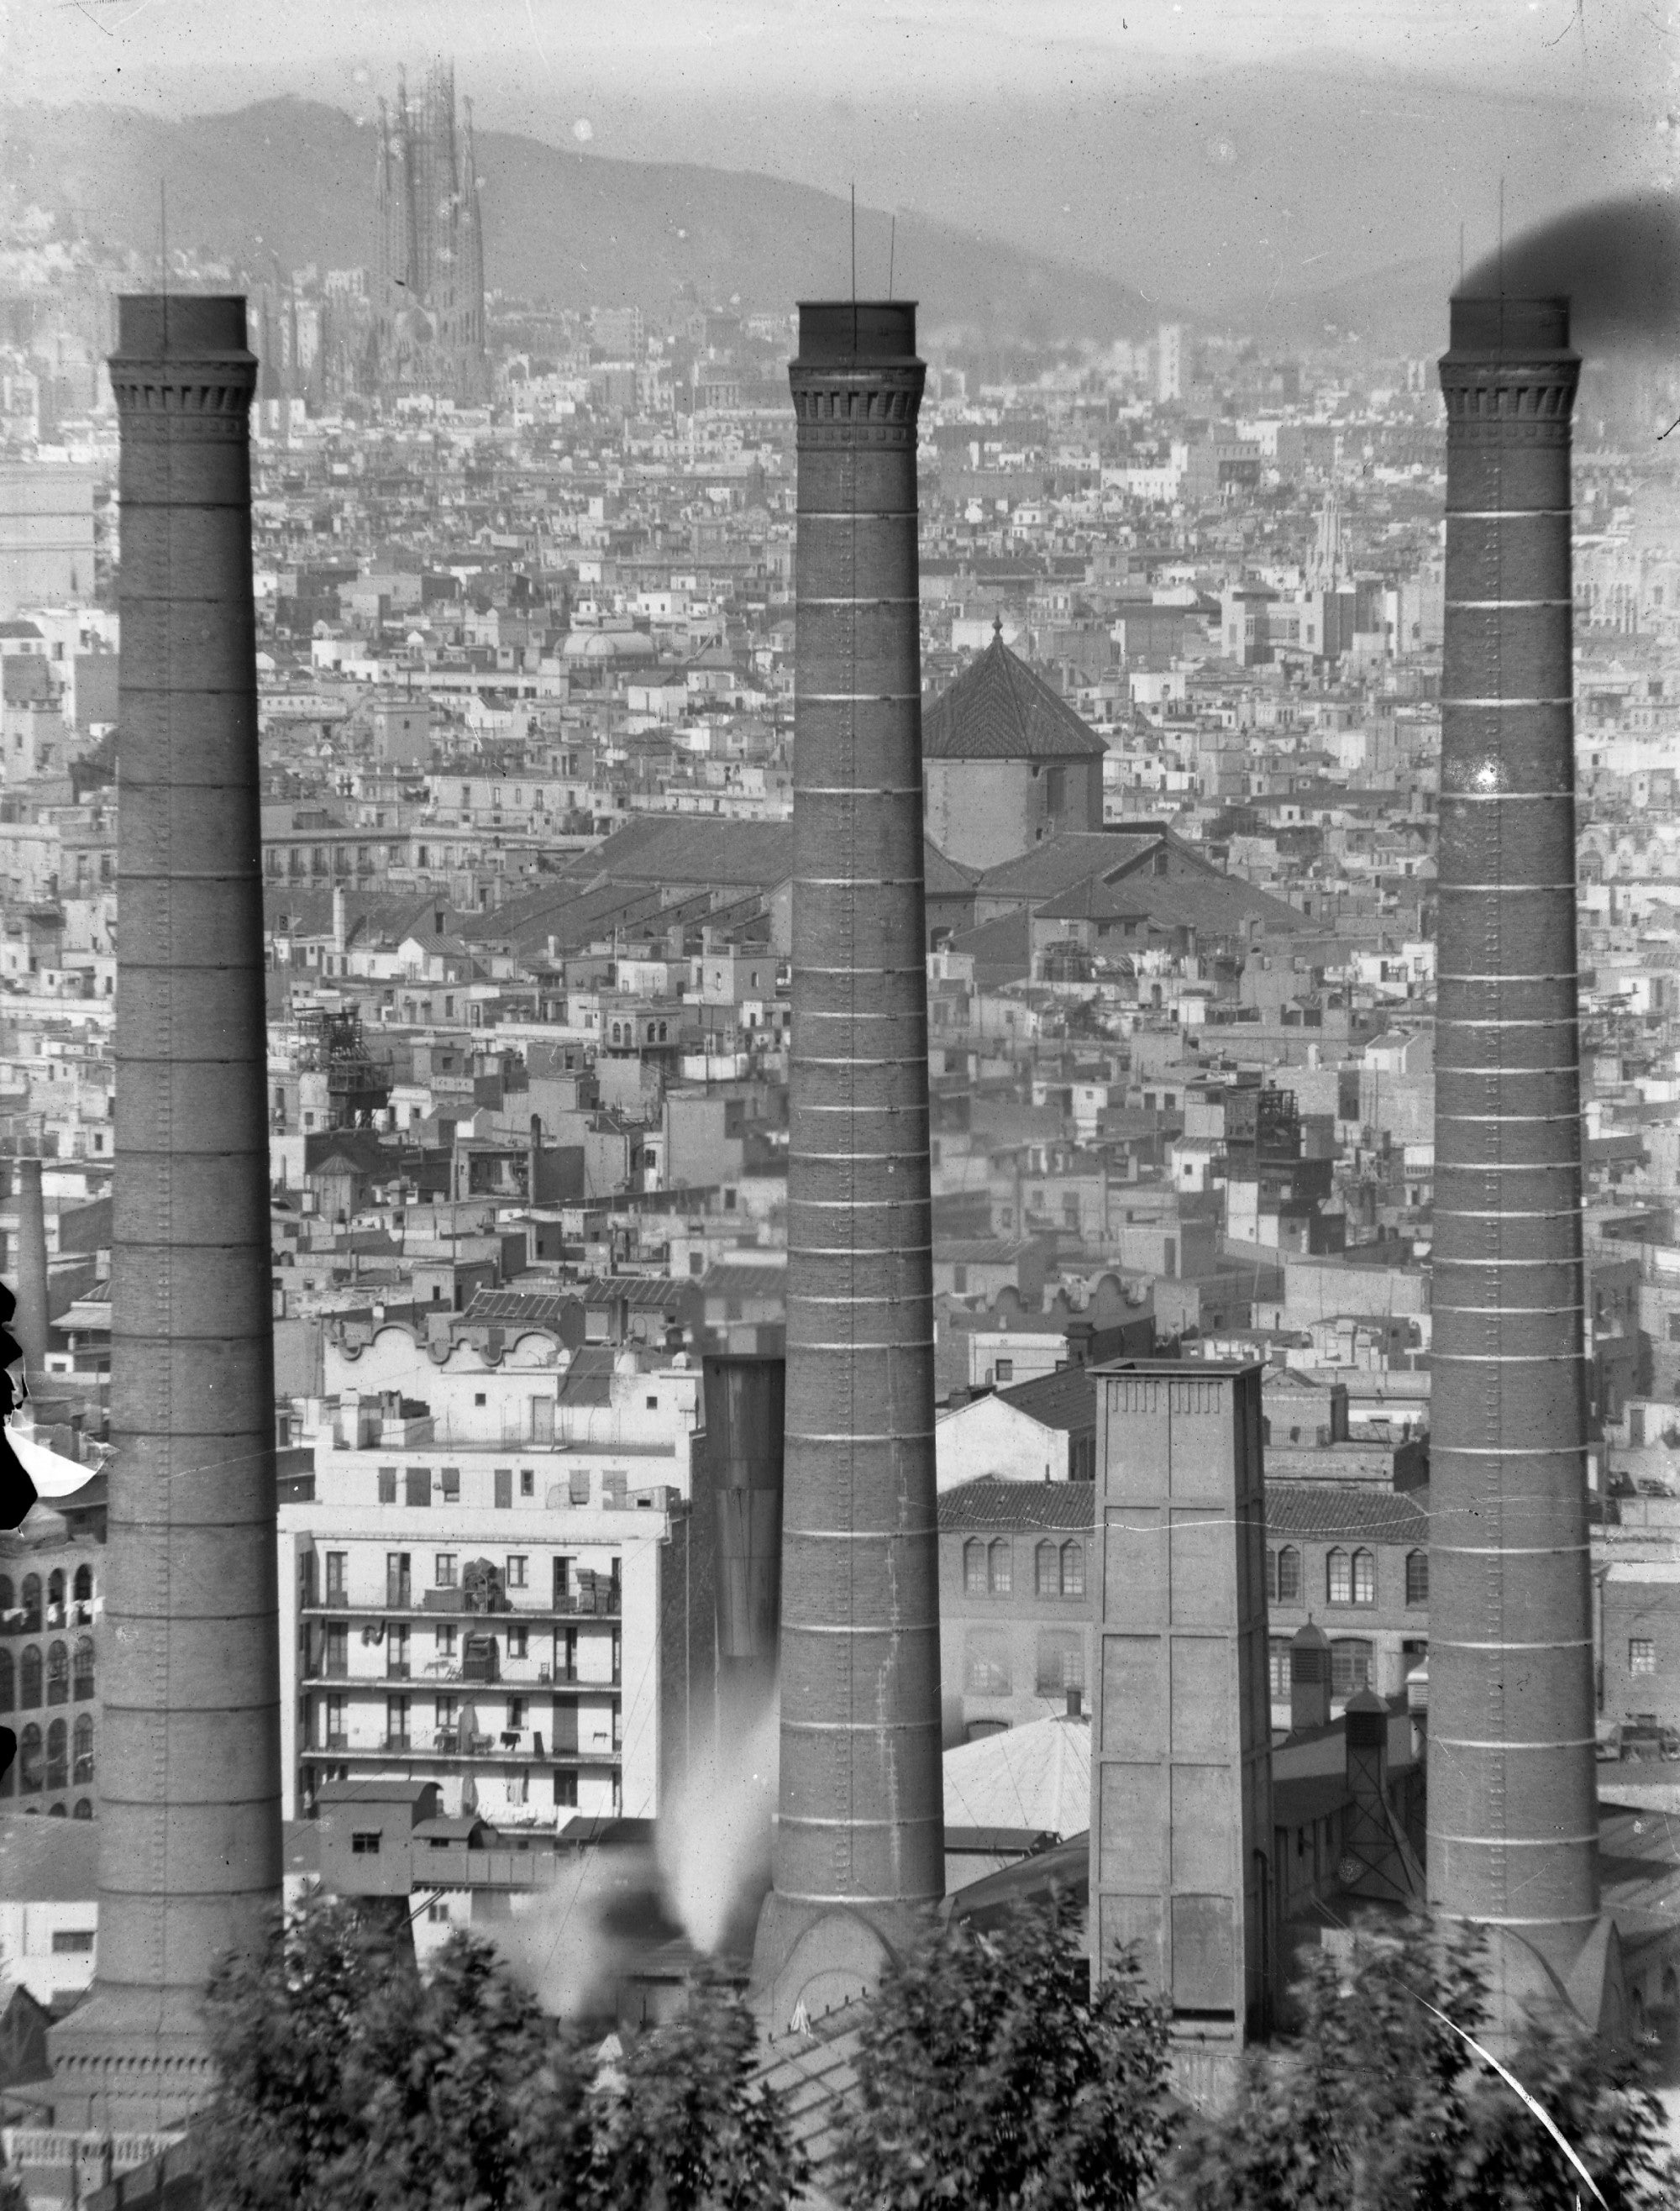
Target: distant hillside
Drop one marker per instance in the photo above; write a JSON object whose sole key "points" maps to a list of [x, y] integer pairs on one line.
{"points": [[294, 179], [1401, 309]]}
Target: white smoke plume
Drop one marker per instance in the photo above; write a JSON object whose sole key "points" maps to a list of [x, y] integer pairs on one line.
{"points": [[573, 1942], [714, 1835]]}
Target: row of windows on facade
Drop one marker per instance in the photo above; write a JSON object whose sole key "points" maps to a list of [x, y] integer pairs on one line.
{"points": [[988, 1667], [417, 1483], [1351, 1576], [1058, 1665], [445, 1574], [1352, 1663], [57, 1602], [446, 1714], [328, 1728], [1059, 1569], [60, 1676], [58, 1758], [397, 1645]]}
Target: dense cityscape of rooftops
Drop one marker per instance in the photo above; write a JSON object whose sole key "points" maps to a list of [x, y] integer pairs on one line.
{"points": [[1030, 1110]]}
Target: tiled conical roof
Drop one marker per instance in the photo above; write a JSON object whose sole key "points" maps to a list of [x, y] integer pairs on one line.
{"points": [[999, 709]]}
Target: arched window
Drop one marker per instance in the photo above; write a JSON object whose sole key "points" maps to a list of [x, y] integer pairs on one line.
{"points": [[82, 1594], [1364, 1577], [29, 1677], [1073, 1570], [973, 1568], [1288, 1575], [82, 1686], [59, 1674], [55, 1597], [1418, 1578], [29, 1761], [1046, 1570], [58, 1755], [1350, 1666], [8, 1599], [83, 1810], [55, 1811], [82, 1748], [1338, 1578], [7, 1681], [31, 1622], [998, 1567]]}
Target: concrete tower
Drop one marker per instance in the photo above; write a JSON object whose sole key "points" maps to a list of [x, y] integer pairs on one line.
{"points": [[1513, 1819], [189, 1838], [860, 1848]]}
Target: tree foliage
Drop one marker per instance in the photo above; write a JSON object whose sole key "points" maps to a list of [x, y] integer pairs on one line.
{"points": [[683, 2125], [992, 2075], [1377, 2105], [348, 2082]]}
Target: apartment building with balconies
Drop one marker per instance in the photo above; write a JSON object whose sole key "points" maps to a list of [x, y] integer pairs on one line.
{"points": [[501, 1582]]}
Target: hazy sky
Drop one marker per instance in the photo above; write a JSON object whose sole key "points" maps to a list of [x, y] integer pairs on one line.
{"points": [[536, 52], [1206, 150]]}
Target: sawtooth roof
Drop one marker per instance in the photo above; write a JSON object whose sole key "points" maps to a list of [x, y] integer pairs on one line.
{"points": [[1001, 709]]}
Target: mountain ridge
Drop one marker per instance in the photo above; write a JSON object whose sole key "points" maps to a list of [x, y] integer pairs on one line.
{"points": [[291, 180]]}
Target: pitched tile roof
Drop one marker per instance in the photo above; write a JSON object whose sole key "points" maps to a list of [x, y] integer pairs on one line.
{"points": [[1065, 1400], [669, 848], [1324, 1512], [1339, 1511], [943, 876], [1001, 709], [991, 1503]]}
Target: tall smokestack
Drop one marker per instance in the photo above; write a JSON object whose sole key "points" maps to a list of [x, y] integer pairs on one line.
{"points": [[1513, 1819], [190, 1836], [30, 1326], [860, 1848]]}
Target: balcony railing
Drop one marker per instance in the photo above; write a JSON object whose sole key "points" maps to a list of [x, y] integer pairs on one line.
{"points": [[337, 1742], [397, 1669], [606, 1604]]}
